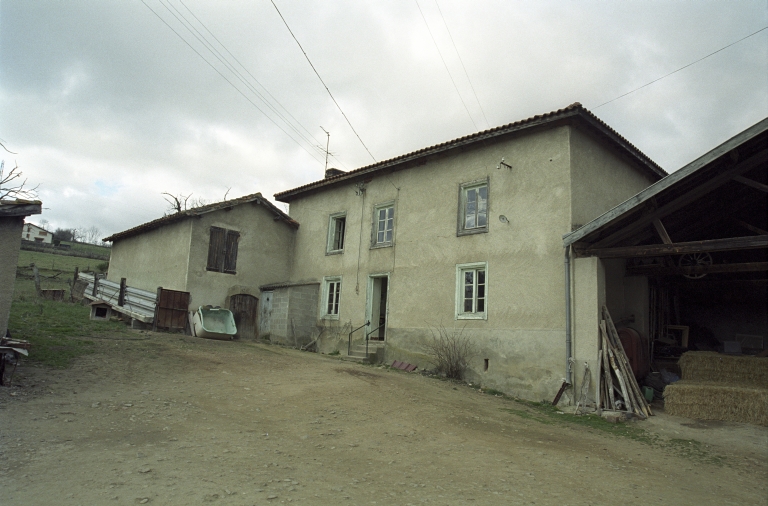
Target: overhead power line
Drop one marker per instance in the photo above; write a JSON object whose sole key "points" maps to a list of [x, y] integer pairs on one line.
{"points": [[462, 65], [288, 119], [681, 68], [321, 80], [445, 65]]}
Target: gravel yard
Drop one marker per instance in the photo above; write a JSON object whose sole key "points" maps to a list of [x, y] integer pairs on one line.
{"points": [[169, 419]]}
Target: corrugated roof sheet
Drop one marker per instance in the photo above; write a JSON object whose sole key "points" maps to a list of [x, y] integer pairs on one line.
{"points": [[189, 213], [575, 110]]}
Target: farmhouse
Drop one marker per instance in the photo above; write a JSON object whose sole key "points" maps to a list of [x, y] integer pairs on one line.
{"points": [[514, 237], [220, 253], [32, 232]]}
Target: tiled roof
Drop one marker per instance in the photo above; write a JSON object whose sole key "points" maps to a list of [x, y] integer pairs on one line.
{"points": [[575, 111], [197, 211], [20, 207]]}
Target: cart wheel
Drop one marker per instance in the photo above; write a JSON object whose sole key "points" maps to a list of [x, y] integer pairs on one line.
{"points": [[693, 260]]}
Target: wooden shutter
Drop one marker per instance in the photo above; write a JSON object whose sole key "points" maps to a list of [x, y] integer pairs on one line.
{"points": [[230, 254], [216, 248]]}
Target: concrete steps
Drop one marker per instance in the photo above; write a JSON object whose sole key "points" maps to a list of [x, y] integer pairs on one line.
{"points": [[375, 353]]}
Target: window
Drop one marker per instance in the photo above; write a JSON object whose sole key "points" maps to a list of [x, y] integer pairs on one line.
{"points": [[332, 293], [383, 224], [336, 228], [222, 250], [473, 208], [472, 291]]}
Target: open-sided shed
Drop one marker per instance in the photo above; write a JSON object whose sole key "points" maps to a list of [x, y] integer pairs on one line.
{"points": [[685, 261]]}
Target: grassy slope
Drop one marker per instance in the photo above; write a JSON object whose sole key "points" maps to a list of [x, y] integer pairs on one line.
{"points": [[58, 331]]}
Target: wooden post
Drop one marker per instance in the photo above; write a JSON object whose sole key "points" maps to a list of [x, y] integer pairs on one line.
{"points": [[72, 287], [121, 294], [95, 284], [36, 274], [157, 308]]}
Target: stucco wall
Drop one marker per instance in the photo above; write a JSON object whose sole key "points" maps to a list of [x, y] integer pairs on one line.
{"points": [[263, 253], [601, 178], [10, 241], [523, 336], [155, 258]]}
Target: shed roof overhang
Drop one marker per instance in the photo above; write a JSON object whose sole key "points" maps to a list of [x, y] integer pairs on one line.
{"points": [[715, 204]]}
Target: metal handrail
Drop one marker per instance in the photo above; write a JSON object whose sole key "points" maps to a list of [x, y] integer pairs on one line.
{"points": [[349, 344], [368, 334]]}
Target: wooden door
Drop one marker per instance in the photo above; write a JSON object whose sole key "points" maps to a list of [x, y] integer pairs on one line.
{"points": [[244, 308], [265, 314]]}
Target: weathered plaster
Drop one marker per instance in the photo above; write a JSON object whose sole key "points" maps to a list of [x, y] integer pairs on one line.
{"points": [[10, 242]]}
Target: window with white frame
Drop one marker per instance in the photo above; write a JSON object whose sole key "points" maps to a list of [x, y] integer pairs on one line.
{"points": [[473, 207], [337, 226], [472, 291], [383, 224], [332, 294]]}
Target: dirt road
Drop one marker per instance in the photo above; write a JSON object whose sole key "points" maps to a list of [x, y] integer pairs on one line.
{"points": [[167, 419]]}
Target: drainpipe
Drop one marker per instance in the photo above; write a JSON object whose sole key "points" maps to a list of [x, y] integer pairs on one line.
{"points": [[568, 315]]}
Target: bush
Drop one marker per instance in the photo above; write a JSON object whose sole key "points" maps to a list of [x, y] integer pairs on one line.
{"points": [[450, 351], [102, 267]]}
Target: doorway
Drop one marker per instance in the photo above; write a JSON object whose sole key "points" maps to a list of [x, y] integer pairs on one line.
{"points": [[244, 309], [378, 305]]}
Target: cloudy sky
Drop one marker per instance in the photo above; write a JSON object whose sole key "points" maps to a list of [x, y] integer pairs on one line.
{"points": [[106, 107]]}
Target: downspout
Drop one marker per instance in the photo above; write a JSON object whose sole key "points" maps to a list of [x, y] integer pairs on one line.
{"points": [[568, 315]]}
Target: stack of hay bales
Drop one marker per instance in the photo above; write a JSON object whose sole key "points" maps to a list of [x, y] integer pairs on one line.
{"points": [[720, 387]]}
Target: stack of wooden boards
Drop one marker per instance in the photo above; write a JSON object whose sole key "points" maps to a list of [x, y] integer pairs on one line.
{"points": [[720, 387], [617, 388]]}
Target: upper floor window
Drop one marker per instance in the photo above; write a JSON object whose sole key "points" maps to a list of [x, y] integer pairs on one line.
{"points": [[222, 250], [383, 224], [336, 228], [473, 207], [472, 291]]}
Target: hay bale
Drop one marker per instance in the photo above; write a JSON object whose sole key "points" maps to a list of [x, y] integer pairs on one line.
{"points": [[717, 401], [718, 368]]}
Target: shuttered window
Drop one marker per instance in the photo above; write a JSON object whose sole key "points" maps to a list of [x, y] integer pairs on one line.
{"points": [[222, 250]]}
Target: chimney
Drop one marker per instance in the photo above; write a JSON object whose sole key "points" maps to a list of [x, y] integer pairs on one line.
{"points": [[329, 173]]}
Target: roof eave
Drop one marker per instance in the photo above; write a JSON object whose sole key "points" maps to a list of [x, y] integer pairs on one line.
{"points": [[612, 215]]}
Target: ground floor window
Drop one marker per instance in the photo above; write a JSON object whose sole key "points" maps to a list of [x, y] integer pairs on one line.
{"points": [[472, 291], [331, 296]]}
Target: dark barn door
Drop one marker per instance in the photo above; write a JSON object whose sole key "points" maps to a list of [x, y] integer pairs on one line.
{"points": [[244, 308]]}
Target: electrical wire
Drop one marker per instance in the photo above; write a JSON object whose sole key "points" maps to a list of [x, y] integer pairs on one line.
{"points": [[226, 79], [445, 65], [311, 137], [681, 68], [321, 80], [462, 64]]}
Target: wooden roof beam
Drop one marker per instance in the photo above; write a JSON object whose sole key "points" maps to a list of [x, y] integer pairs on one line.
{"points": [[694, 270], [685, 199], [655, 250], [751, 182]]}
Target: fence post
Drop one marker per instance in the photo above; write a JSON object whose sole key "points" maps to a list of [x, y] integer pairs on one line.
{"points": [[121, 295], [95, 284], [157, 308], [36, 274]]}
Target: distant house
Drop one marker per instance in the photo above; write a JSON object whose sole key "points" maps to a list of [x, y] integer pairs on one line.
{"points": [[32, 232], [12, 214], [220, 253]]}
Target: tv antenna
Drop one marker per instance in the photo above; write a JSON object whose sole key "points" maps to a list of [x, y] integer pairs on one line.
{"points": [[327, 144]]}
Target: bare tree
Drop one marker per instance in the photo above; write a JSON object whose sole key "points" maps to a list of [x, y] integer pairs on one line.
{"points": [[13, 186], [181, 202], [44, 224]]}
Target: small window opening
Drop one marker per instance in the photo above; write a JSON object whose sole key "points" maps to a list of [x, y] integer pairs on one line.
{"points": [[485, 366]]}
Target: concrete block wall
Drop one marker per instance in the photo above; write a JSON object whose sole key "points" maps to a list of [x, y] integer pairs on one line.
{"points": [[294, 314], [302, 312]]}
